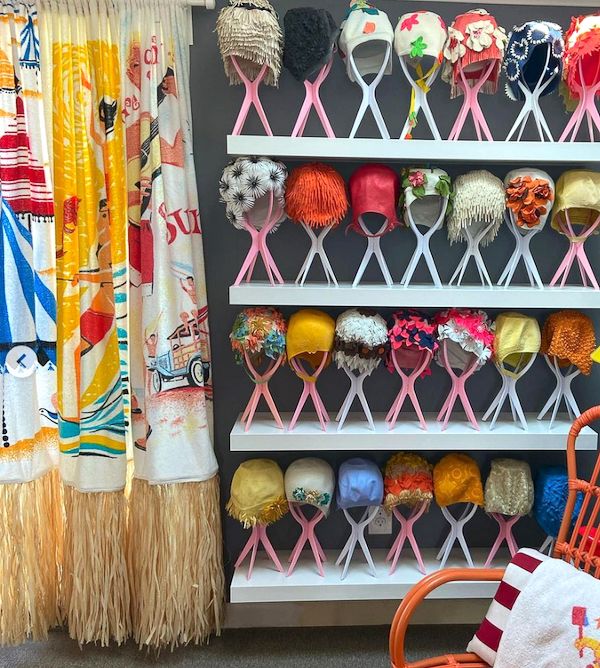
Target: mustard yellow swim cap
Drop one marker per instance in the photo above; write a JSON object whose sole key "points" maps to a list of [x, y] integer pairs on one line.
{"points": [[310, 335], [257, 493], [457, 479]]}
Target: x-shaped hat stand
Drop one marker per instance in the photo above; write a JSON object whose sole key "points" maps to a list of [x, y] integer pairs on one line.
{"points": [[309, 389], [406, 532], [458, 389], [531, 104], [456, 534], [369, 99], [547, 547], [250, 99], [509, 391], [261, 389], [576, 251], [422, 248], [357, 535], [307, 535], [586, 108], [373, 249], [258, 535], [523, 237], [473, 251], [505, 527], [312, 99], [258, 246], [356, 390], [317, 250], [419, 93], [471, 104], [408, 388], [561, 392]]}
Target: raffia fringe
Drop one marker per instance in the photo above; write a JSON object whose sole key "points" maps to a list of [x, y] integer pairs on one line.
{"points": [[95, 594], [30, 555], [175, 559]]}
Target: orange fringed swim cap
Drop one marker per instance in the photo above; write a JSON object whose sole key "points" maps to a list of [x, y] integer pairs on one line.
{"points": [[316, 195], [569, 336]]}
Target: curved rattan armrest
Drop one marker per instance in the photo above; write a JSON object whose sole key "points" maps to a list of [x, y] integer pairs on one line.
{"points": [[419, 592]]}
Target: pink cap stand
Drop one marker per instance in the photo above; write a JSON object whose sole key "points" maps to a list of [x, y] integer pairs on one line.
{"points": [[259, 247], [316, 249], [458, 390], [251, 98], [406, 531], [369, 99], [261, 389], [577, 252], [456, 534], [312, 99], [473, 251], [471, 104], [310, 389], [531, 104], [373, 249], [357, 535], [408, 388], [561, 392], [258, 535], [420, 101], [356, 390], [586, 107], [523, 237], [307, 536], [505, 527], [509, 391]]}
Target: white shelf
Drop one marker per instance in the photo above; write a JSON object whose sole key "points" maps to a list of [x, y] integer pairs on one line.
{"points": [[305, 584], [419, 296], [307, 436], [417, 151]]}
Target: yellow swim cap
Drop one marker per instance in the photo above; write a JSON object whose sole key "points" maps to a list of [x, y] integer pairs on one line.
{"points": [[310, 335], [457, 479]]}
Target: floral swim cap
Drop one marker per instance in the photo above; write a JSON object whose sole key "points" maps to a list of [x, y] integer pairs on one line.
{"points": [[474, 40], [245, 188], [408, 480], [361, 340], [529, 195], [582, 49], [424, 191], [258, 331], [469, 332], [410, 333], [312, 481]]}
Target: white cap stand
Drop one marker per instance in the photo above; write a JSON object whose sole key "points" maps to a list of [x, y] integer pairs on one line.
{"points": [[456, 534], [356, 390], [547, 547], [472, 251], [420, 102], [357, 535], [422, 248], [523, 237], [561, 391], [531, 104], [368, 91], [509, 391], [316, 249], [373, 248]]}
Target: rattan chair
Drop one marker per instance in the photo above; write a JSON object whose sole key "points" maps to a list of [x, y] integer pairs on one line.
{"points": [[574, 544]]}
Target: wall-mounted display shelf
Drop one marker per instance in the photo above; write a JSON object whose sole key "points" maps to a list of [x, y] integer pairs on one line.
{"points": [[418, 296], [264, 436], [414, 151], [305, 584]]}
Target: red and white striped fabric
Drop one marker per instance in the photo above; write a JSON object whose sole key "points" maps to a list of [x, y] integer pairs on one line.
{"points": [[486, 641]]}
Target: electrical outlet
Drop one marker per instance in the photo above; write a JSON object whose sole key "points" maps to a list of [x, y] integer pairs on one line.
{"points": [[382, 524]]}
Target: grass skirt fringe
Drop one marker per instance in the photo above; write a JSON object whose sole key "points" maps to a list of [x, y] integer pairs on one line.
{"points": [[30, 558], [175, 558], [95, 595]]}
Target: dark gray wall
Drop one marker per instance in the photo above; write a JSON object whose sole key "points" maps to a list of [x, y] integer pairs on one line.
{"points": [[215, 106]]}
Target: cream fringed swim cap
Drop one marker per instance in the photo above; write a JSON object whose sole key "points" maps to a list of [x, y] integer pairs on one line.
{"points": [[249, 30]]}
